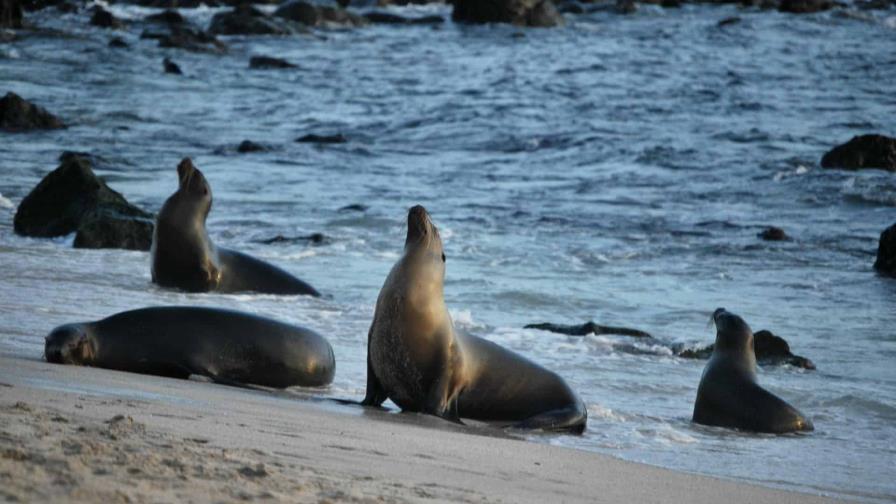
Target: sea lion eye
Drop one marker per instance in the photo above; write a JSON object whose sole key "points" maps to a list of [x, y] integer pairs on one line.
{"points": [[443, 257], [205, 192]]}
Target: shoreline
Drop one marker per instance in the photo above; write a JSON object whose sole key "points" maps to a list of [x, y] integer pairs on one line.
{"points": [[85, 434]]}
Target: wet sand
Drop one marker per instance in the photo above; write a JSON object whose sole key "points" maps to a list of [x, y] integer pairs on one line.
{"points": [[91, 435]]}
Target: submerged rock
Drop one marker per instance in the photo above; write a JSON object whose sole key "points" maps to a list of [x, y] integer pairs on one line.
{"points": [[354, 207], [588, 328], [773, 233], [10, 14], [267, 62], [168, 17], [886, 252], [247, 20], [104, 228], [191, 39], [322, 139], [18, 114], [313, 238], [538, 13], [62, 201], [865, 151], [171, 67], [119, 43], [250, 146]]}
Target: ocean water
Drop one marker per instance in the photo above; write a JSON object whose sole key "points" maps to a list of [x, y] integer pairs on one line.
{"points": [[615, 170]]}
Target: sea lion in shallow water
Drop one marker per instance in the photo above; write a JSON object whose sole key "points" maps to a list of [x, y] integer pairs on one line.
{"points": [[184, 257], [419, 360], [729, 395], [227, 346]]}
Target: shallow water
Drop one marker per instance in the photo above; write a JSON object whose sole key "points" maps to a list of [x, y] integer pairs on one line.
{"points": [[617, 170]]}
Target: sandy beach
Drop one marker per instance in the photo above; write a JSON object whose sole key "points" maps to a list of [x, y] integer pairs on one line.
{"points": [[91, 435]]}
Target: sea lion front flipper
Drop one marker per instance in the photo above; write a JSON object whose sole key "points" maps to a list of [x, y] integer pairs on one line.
{"points": [[571, 419], [376, 394]]}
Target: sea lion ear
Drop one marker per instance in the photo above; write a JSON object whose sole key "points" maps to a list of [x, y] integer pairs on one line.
{"points": [[443, 257]]}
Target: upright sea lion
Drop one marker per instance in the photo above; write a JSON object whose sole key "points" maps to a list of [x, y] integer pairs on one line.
{"points": [[184, 257], [729, 396], [227, 346], [417, 358]]}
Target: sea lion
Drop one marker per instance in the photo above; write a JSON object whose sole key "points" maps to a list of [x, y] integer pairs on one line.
{"points": [[729, 395], [184, 257], [417, 358], [227, 346]]}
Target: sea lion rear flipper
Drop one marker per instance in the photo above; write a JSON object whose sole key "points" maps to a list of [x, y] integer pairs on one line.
{"points": [[570, 419]]}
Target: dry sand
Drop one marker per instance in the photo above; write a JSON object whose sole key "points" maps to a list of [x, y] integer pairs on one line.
{"points": [[92, 435]]}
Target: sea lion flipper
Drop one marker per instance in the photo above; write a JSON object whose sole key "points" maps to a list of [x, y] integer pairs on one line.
{"points": [[376, 394], [571, 419]]}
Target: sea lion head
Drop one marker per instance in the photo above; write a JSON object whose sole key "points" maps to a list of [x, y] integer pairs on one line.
{"points": [[423, 235], [70, 344], [732, 332], [194, 191]]}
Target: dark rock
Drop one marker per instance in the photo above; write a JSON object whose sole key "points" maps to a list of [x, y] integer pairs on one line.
{"points": [[300, 12], [331, 16], [728, 21], [188, 38], [541, 13], [865, 151], [11, 14], [104, 19], [176, 4], [18, 114], [626, 7], [355, 207], [61, 201], [118, 42], [773, 233], [168, 17], [805, 6], [886, 252], [108, 229], [670, 4], [588, 328], [770, 350], [266, 62], [250, 146], [314, 239], [322, 139], [66, 7], [570, 7], [34, 5], [387, 18], [171, 67], [247, 20]]}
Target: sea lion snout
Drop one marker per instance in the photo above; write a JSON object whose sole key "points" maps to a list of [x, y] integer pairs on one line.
{"points": [[191, 178], [419, 223]]}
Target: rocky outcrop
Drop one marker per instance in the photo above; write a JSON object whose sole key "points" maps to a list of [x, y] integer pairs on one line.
{"points": [[865, 151], [309, 14], [18, 114], [71, 197], [540, 13], [103, 228], [104, 19], [247, 20], [247, 146], [379, 17], [886, 252], [770, 350], [805, 6], [10, 14], [171, 67]]}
